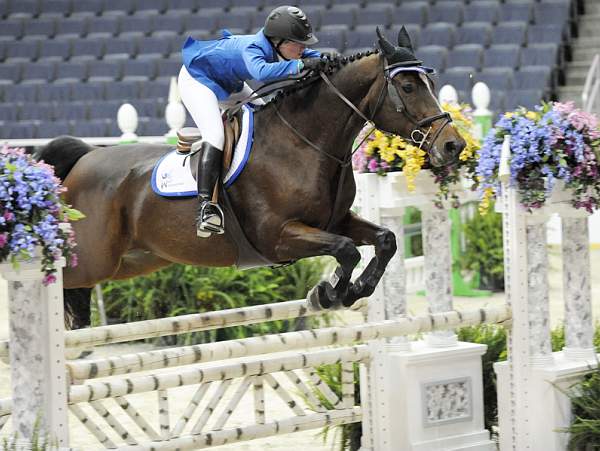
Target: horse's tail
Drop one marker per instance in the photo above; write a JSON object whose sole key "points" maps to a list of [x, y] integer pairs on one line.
{"points": [[77, 307], [62, 153]]}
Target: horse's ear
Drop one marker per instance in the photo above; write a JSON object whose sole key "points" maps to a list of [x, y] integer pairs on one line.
{"points": [[386, 46], [404, 39]]}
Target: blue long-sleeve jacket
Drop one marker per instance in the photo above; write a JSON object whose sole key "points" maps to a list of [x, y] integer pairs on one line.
{"points": [[223, 65]]}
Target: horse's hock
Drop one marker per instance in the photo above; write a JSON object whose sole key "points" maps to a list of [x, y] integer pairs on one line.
{"points": [[416, 395]]}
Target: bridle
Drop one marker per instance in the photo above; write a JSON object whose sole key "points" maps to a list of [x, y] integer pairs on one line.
{"points": [[417, 135]]}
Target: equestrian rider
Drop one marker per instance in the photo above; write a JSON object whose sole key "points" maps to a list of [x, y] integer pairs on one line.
{"points": [[213, 77]]}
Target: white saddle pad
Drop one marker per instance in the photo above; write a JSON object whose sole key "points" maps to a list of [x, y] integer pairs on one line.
{"points": [[172, 176]]}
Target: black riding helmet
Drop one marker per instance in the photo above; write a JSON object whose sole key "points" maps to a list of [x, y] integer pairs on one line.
{"points": [[290, 23]]}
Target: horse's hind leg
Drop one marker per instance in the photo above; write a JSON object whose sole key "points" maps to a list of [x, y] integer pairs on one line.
{"points": [[299, 240]]}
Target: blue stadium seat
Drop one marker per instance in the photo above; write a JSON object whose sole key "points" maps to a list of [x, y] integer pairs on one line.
{"points": [[3, 46], [459, 77], [53, 129], [54, 50], [212, 4], [38, 72], [256, 4], [55, 8], [527, 98], [551, 13], [119, 48], [533, 77], [134, 26], [338, 15], [545, 34], [85, 8], [466, 55], [500, 78], [411, 13], [449, 11], [139, 70], [85, 49], [40, 28], [152, 127], [37, 111], [150, 6], [11, 29], [201, 22], [237, 20], [105, 110], [3, 9], [108, 70], [157, 89], [123, 91], [118, 7], [182, 6], [333, 36], [362, 37], [503, 55], [438, 34], [71, 111], [510, 33], [168, 24], [167, 68], [19, 130], [540, 55], [89, 91], [21, 93], [353, 3], [177, 45], [8, 113], [25, 9], [103, 27], [55, 93], [90, 129], [482, 11], [516, 11], [10, 73], [71, 27], [147, 107], [153, 48], [497, 102], [71, 72], [22, 51], [434, 56], [375, 14]]}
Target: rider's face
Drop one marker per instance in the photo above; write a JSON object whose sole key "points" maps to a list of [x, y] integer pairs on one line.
{"points": [[291, 50]]}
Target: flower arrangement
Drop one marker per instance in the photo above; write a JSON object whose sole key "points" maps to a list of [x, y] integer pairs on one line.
{"points": [[31, 212], [554, 142], [381, 153]]}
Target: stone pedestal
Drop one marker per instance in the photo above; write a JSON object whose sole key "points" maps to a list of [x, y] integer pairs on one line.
{"points": [[437, 398]]}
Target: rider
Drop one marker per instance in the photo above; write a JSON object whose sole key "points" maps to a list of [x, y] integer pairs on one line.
{"points": [[213, 77]]}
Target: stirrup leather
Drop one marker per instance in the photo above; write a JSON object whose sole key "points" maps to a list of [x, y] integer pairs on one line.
{"points": [[211, 222]]}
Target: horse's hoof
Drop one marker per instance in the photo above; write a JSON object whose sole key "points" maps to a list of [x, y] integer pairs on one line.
{"points": [[317, 299]]}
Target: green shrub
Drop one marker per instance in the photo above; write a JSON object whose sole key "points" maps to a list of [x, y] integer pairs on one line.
{"points": [[484, 253], [182, 289]]}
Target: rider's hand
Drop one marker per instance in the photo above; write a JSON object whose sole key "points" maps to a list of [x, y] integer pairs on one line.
{"points": [[313, 64]]}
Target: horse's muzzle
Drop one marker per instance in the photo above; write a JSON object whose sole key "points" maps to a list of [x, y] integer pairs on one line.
{"points": [[449, 153]]}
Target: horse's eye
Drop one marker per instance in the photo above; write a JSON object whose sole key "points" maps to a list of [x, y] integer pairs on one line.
{"points": [[407, 88]]}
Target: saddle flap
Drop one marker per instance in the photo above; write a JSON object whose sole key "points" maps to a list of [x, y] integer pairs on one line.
{"points": [[232, 133]]}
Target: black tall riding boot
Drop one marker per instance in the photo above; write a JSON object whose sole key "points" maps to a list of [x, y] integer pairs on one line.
{"points": [[210, 216]]}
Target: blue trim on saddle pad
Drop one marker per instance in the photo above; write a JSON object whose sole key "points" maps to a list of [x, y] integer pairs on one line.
{"points": [[172, 177]]}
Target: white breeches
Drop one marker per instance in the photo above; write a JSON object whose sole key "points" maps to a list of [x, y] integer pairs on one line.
{"points": [[205, 109]]}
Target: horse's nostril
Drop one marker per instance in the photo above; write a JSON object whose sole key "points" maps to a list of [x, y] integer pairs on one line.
{"points": [[453, 147]]}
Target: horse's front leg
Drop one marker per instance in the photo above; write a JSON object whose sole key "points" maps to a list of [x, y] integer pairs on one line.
{"points": [[299, 240], [363, 232]]}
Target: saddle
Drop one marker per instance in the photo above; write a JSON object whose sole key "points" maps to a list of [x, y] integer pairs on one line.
{"points": [[187, 136]]}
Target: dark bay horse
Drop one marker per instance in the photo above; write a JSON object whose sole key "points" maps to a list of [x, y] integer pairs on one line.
{"points": [[284, 198]]}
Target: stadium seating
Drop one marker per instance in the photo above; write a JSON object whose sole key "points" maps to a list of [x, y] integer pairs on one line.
{"points": [[66, 65]]}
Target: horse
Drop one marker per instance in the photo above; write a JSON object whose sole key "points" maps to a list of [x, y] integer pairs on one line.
{"points": [[292, 200]]}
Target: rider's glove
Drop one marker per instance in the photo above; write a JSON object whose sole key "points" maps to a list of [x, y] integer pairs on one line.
{"points": [[313, 64]]}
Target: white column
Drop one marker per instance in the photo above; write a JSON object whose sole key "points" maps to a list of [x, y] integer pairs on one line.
{"points": [[38, 373], [579, 328], [438, 268]]}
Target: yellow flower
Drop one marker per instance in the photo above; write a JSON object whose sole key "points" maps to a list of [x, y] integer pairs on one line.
{"points": [[509, 114], [414, 159], [533, 115], [484, 205]]}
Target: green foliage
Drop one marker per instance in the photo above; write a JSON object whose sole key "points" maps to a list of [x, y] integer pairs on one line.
{"points": [[181, 289], [585, 399], [494, 337], [484, 252]]}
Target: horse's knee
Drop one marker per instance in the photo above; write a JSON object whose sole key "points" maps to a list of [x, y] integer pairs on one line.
{"points": [[346, 253], [385, 243]]}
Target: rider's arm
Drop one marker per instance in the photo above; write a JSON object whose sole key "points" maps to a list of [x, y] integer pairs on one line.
{"points": [[262, 70], [310, 53]]}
